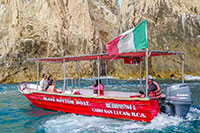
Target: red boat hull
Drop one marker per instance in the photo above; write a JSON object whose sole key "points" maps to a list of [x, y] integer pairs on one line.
{"points": [[139, 109]]}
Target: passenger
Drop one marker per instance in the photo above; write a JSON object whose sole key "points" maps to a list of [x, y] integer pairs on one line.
{"points": [[95, 88], [44, 82], [153, 88], [51, 87]]}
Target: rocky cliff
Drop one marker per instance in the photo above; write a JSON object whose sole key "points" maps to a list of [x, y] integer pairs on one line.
{"points": [[43, 28], [175, 23]]}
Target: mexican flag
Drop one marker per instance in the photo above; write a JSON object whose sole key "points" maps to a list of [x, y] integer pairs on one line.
{"points": [[130, 41]]}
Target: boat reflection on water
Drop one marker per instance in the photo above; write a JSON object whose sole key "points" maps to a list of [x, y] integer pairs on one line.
{"points": [[37, 112]]}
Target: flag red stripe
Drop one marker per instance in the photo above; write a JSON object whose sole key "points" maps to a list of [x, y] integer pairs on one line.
{"points": [[112, 48]]}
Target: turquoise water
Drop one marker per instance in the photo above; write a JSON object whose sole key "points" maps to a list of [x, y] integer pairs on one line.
{"points": [[18, 115]]}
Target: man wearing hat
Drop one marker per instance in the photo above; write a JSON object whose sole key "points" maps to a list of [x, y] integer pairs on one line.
{"points": [[153, 88]]}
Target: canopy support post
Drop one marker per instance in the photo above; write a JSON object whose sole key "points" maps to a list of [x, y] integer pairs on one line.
{"points": [[98, 75], [64, 67], [72, 83], [147, 72], [141, 75], [38, 74], [75, 83], [182, 57], [106, 76], [67, 84], [79, 75]]}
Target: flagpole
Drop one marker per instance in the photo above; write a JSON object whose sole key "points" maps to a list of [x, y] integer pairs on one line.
{"points": [[38, 74], [147, 71], [147, 56], [98, 75]]}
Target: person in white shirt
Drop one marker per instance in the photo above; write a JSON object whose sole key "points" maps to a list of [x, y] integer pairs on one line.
{"points": [[44, 82]]}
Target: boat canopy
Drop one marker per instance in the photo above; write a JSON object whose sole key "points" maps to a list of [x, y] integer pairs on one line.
{"points": [[105, 56], [129, 58]]}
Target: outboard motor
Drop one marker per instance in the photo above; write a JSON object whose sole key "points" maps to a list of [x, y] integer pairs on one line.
{"points": [[178, 100]]}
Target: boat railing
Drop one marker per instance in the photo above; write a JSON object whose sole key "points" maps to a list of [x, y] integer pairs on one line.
{"points": [[29, 86]]}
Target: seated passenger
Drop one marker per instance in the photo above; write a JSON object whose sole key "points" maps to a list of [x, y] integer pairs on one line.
{"points": [[51, 87], [44, 82], [95, 88]]}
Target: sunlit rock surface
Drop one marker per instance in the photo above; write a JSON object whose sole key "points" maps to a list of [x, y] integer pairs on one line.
{"points": [[43, 28], [175, 23], [52, 28]]}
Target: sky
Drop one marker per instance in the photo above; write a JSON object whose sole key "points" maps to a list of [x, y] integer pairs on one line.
{"points": [[120, 2]]}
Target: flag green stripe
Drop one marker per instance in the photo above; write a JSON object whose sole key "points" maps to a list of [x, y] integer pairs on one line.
{"points": [[140, 36]]}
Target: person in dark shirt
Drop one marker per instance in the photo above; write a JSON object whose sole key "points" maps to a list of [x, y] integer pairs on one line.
{"points": [[51, 87], [51, 81], [153, 89]]}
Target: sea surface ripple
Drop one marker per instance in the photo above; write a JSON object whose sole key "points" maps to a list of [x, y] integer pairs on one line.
{"points": [[17, 114]]}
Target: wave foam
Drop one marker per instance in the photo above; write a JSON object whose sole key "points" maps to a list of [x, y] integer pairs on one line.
{"points": [[193, 114], [8, 92], [191, 77], [79, 123]]}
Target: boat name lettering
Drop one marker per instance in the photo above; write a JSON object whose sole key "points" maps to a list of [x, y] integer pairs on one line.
{"points": [[118, 112], [86, 103], [67, 101], [120, 106], [97, 110], [63, 100], [137, 114], [49, 99]]}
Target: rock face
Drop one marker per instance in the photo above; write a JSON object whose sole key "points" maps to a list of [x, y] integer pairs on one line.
{"points": [[175, 23], [43, 28]]}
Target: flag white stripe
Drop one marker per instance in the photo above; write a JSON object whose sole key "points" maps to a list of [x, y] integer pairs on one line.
{"points": [[128, 31], [126, 43]]}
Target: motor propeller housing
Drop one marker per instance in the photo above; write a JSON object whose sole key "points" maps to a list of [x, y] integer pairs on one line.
{"points": [[177, 101]]}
